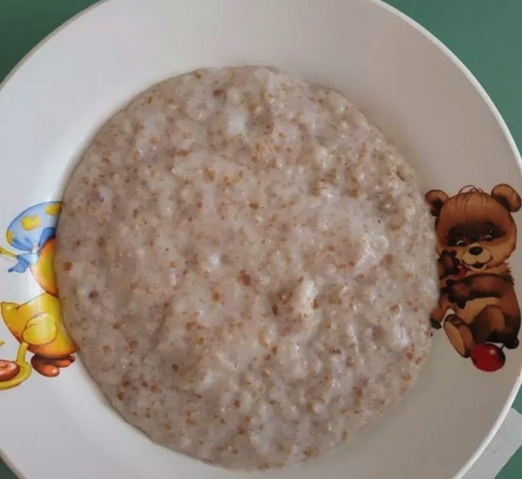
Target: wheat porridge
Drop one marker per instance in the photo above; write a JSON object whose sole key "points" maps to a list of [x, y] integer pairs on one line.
{"points": [[247, 266]]}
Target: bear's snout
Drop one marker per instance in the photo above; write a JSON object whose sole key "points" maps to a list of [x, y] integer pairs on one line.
{"points": [[476, 255]]}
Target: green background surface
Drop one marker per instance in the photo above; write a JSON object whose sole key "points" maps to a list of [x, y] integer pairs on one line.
{"points": [[485, 34]]}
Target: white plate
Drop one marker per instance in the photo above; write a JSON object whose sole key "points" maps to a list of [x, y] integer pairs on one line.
{"points": [[400, 76]]}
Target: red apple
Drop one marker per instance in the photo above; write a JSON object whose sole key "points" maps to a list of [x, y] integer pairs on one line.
{"points": [[488, 357]]}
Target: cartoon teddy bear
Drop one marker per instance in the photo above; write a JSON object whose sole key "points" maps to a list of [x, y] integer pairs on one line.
{"points": [[476, 234]]}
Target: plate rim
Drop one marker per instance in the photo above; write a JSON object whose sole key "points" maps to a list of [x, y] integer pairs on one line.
{"points": [[518, 158], [443, 48]]}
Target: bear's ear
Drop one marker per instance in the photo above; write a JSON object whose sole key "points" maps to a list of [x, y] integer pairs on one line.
{"points": [[507, 196], [436, 198]]}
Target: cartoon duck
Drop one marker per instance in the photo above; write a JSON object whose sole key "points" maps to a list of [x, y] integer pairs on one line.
{"points": [[29, 232], [36, 324]]}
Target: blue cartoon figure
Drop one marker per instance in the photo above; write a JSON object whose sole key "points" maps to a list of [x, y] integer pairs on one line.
{"points": [[36, 324], [29, 232]]}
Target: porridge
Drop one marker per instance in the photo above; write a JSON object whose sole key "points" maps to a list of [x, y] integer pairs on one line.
{"points": [[247, 266]]}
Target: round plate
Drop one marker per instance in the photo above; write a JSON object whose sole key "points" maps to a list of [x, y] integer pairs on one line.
{"points": [[397, 73]]}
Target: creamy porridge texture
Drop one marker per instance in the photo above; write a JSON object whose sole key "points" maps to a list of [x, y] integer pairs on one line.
{"points": [[247, 266]]}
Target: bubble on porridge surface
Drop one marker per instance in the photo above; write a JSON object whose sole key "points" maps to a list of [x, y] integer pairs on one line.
{"points": [[264, 265]]}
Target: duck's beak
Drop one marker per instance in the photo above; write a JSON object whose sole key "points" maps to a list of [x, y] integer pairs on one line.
{"points": [[7, 253]]}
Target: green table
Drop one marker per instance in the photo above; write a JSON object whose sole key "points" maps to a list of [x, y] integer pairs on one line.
{"points": [[485, 35]]}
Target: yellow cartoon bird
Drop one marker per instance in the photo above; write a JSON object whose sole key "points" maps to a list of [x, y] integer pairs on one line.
{"points": [[38, 326]]}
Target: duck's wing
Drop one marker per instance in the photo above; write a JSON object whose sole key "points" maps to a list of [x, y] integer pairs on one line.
{"points": [[40, 329]]}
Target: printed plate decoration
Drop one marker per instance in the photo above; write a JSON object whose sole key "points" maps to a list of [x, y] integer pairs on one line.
{"points": [[36, 324], [476, 235]]}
